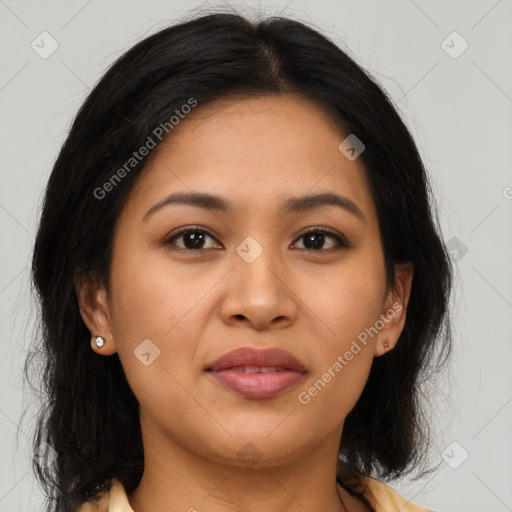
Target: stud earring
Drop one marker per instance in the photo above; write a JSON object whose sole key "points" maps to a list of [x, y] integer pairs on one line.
{"points": [[99, 341], [386, 345]]}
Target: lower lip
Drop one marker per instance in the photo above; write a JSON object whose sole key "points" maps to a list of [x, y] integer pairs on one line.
{"points": [[258, 385]]}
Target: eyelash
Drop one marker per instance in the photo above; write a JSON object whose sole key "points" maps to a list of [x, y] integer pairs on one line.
{"points": [[342, 242]]}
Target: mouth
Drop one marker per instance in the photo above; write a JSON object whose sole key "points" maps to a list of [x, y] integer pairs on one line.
{"points": [[257, 369], [257, 373]]}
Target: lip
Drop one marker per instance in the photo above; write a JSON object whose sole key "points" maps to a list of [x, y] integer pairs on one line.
{"points": [[248, 356], [228, 370]]}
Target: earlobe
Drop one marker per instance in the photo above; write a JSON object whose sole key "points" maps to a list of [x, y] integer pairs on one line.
{"points": [[394, 313], [94, 310]]}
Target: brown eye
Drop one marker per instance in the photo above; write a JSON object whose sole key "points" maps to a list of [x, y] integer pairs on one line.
{"points": [[315, 240], [193, 239]]}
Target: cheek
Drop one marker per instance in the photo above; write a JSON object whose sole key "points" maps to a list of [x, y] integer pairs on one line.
{"points": [[345, 301], [344, 308], [166, 303], [159, 317], [152, 294]]}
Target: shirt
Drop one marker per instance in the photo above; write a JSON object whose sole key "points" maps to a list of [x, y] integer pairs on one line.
{"points": [[376, 494]]}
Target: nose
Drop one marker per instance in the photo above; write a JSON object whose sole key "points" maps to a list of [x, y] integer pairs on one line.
{"points": [[258, 294]]}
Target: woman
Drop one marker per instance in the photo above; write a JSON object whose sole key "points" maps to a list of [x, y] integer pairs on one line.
{"points": [[241, 281]]}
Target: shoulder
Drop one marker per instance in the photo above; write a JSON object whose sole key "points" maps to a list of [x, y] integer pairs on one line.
{"points": [[386, 499], [379, 496], [112, 500]]}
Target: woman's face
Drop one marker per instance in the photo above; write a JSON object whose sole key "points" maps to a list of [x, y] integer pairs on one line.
{"points": [[256, 274]]}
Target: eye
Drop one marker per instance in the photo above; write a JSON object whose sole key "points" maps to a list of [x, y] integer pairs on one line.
{"points": [[314, 239], [193, 238]]}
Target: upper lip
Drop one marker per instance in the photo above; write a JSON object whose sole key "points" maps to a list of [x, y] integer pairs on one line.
{"points": [[248, 356]]}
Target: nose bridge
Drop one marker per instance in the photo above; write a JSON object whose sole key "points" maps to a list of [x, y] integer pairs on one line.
{"points": [[258, 264], [258, 292]]}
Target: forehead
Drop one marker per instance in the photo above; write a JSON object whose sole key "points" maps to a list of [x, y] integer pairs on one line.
{"points": [[270, 147]]}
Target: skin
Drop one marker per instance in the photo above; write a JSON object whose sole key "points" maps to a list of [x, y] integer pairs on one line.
{"points": [[195, 306]]}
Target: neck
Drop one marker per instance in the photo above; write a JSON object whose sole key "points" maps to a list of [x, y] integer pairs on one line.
{"points": [[178, 476]]}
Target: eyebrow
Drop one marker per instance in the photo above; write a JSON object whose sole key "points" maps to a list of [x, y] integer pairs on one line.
{"points": [[294, 204]]}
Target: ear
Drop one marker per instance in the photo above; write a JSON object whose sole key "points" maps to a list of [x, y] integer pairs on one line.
{"points": [[94, 309], [394, 310]]}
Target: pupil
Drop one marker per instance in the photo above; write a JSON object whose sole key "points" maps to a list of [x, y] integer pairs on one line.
{"points": [[316, 239], [195, 240]]}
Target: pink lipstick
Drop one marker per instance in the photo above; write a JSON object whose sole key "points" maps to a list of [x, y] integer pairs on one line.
{"points": [[258, 373]]}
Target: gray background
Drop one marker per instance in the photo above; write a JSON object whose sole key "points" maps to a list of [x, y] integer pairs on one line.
{"points": [[459, 109]]}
